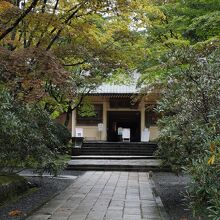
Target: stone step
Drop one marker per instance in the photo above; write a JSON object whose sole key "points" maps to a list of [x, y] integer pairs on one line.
{"points": [[120, 144], [118, 168], [112, 153], [140, 165], [119, 148], [128, 152], [118, 153], [111, 157], [116, 148]]}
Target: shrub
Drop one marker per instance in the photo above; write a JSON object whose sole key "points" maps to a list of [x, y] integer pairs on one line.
{"points": [[204, 191], [64, 136], [28, 137], [190, 123]]}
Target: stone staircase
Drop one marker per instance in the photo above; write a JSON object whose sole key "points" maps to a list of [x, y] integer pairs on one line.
{"points": [[116, 148], [115, 156]]}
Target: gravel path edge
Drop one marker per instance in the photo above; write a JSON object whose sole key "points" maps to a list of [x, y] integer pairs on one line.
{"points": [[158, 200], [45, 201]]}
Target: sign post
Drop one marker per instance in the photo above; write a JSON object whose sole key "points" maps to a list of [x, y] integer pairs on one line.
{"points": [[126, 134], [78, 137], [145, 135], [100, 129]]}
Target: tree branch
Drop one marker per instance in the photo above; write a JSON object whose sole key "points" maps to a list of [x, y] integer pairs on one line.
{"points": [[75, 64], [65, 22], [47, 26], [15, 24]]}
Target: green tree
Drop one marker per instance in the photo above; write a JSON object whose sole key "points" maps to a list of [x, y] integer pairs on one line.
{"points": [[179, 24], [53, 52], [182, 60]]}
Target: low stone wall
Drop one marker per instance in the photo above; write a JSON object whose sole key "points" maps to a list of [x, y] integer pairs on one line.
{"points": [[9, 190]]}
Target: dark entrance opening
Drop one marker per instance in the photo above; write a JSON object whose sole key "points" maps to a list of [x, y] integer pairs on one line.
{"points": [[123, 119]]}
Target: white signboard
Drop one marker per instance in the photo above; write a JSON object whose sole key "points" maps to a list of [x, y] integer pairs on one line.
{"points": [[100, 127], [126, 133], [145, 135], [79, 132], [120, 130]]}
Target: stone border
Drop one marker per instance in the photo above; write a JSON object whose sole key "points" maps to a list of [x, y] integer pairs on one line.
{"points": [[38, 197], [158, 200], [45, 201]]}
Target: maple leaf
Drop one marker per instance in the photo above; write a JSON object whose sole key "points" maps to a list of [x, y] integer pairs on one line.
{"points": [[15, 213]]}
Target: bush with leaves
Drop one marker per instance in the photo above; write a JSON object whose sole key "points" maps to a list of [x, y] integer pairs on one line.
{"points": [[190, 123], [202, 195], [64, 136], [28, 137]]}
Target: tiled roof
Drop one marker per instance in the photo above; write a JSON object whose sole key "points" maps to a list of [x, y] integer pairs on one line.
{"points": [[115, 89], [119, 89]]}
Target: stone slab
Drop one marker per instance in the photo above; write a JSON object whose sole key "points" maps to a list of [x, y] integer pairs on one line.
{"points": [[103, 196]]}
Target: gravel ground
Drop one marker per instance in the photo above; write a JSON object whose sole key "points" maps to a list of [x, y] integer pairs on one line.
{"points": [[169, 186], [48, 187]]}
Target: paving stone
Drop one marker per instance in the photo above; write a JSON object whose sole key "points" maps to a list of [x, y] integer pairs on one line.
{"points": [[77, 217], [58, 218], [96, 214], [150, 209], [39, 217], [117, 202], [103, 196], [146, 203], [131, 204], [151, 217], [132, 217], [64, 214], [132, 211], [115, 218], [115, 208]]}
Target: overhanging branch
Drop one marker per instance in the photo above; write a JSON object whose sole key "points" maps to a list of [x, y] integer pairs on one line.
{"points": [[15, 24]]}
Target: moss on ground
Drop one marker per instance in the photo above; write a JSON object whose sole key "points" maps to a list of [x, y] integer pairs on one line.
{"points": [[6, 178], [11, 185]]}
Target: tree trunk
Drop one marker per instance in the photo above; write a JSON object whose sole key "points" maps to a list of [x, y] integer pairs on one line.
{"points": [[68, 116]]}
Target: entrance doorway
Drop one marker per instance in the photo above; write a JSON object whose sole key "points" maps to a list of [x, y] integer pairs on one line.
{"points": [[123, 119]]}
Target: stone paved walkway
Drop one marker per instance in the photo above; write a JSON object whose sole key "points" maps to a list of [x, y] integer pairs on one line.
{"points": [[103, 196]]}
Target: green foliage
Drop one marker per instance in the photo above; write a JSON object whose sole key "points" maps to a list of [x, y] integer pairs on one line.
{"points": [[183, 60], [59, 50], [28, 137], [86, 109], [180, 24], [7, 179], [204, 27], [190, 132], [63, 135], [16, 185], [202, 195]]}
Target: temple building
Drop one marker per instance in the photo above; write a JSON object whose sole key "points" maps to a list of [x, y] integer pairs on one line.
{"points": [[116, 114]]}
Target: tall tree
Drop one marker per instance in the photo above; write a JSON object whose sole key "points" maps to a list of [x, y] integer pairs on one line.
{"points": [[67, 46], [183, 59], [180, 24]]}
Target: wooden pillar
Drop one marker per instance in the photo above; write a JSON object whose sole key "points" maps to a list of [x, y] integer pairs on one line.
{"points": [[142, 115], [104, 132], [73, 123]]}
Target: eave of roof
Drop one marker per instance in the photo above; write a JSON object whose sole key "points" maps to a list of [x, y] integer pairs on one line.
{"points": [[113, 94], [106, 89]]}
